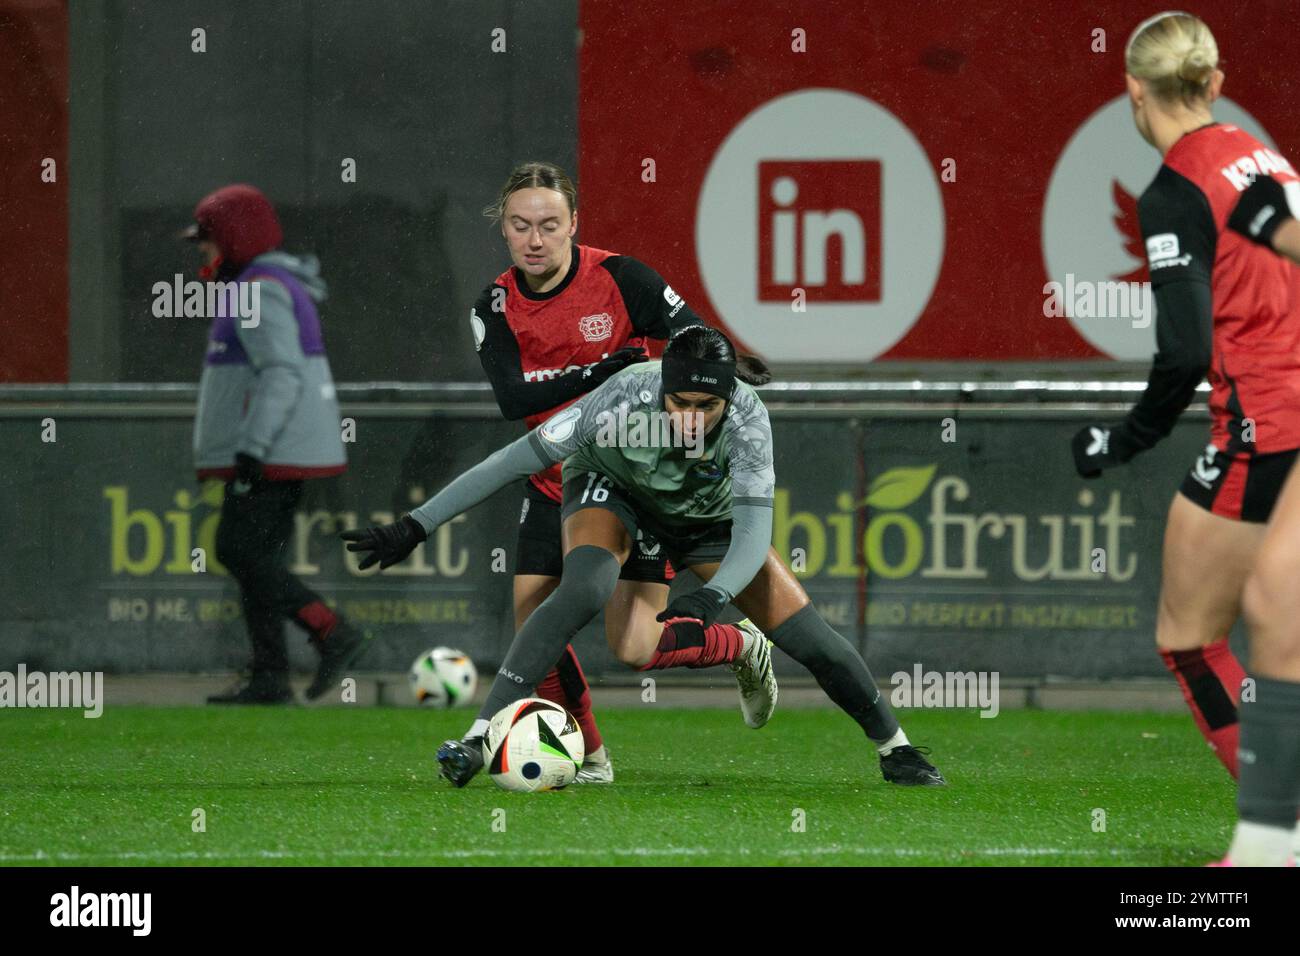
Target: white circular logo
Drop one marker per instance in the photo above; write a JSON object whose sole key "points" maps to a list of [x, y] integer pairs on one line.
{"points": [[1091, 233], [825, 194], [480, 330], [559, 427]]}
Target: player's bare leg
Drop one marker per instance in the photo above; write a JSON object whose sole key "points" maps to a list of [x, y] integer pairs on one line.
{"points": [[643, 642], [776, 602], [630, 626], [1269, 793], [1197, 610]]}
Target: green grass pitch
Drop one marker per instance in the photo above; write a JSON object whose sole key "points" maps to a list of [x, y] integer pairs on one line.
{"points": [[308, 787]]}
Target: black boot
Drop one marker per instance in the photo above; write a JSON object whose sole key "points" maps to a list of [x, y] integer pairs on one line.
{"points": [[261, 688], [338, 652]]}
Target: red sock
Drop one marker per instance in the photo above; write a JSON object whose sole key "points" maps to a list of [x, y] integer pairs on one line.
{"points": [[1211, 679], [318, 619], [567, 686], [684, 643]]}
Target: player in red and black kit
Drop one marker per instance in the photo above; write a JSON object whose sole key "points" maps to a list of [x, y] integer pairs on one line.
{"points": [[1227, 309], [1268, 798], [557, 324]]}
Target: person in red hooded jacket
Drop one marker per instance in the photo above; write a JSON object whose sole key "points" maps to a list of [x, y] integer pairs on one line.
{"points": [[267, 421]]}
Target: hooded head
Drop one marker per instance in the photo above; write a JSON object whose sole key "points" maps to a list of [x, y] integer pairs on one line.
{"points": [[239, 221]]}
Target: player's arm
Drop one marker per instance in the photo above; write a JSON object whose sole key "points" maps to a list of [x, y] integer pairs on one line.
{"points": [[498, 351], [1180, 238], [753, 485], [655, 309], [1263, 215], [553, 441], [275, 354]]}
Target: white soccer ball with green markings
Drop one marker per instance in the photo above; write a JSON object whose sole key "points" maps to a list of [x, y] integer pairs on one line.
{"points": [[533, 744], [443, 677]]}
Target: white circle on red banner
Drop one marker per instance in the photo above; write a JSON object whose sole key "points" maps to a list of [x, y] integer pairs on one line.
{"points": [[825, 194], [1090, 220]]}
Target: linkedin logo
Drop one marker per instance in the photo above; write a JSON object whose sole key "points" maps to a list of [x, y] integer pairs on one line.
{"points": [[824, 199], [819, 230]]}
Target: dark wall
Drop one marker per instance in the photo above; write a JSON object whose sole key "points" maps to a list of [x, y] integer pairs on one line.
{"points": [[285, 92]]}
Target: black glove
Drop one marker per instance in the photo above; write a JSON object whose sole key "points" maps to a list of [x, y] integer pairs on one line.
{"points": [[1261, 209], [1097, 447], [704, 605], [627, 355], [388, 543], [248, 472]]}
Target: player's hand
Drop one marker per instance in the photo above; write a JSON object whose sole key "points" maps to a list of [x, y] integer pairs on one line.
{"points": [[627, 355], [1098, 447], [1261, 209], [386, 544], [248, 472], [704, 605]]}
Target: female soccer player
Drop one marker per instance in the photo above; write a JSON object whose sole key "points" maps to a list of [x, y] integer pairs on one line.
{"points": [[559, 323], [1228, 308], [704, 489], [1268, 798]]}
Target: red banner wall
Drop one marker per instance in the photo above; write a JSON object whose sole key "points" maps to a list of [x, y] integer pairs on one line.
{"points": [[33, 211], [776, 170]]}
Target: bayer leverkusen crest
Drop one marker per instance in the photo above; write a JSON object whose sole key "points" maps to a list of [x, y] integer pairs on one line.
{"points": [[596, 328]]}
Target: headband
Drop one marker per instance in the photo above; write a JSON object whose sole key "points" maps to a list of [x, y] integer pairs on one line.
{"points": [[682, 373]]}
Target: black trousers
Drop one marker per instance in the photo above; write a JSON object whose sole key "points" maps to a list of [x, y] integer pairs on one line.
{"points": [[252, 542]]}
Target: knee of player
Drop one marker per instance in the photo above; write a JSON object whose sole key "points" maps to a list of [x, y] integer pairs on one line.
{"points": [[634, 656], [1269, 604], [587, 592], [1178, 628]]}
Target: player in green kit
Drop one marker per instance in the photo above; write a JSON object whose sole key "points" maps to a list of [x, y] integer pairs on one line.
{"points": [[682, 450]]}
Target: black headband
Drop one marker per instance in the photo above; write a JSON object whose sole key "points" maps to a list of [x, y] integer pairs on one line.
{"points": [[683, 373]]}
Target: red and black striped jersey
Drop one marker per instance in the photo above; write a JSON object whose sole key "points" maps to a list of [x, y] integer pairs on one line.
{"points": [[534, 346], [1251, 294]]}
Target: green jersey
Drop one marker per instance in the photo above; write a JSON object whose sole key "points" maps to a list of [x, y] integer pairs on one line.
{"points": [[620, 431]]}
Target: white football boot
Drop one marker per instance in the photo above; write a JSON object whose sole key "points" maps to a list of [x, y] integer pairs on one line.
{"points": [[592, 772], [753, 670]]}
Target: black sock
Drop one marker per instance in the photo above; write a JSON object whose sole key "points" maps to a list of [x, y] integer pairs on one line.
{"points": [[587, 582], [839, 669], [1269, 754]]}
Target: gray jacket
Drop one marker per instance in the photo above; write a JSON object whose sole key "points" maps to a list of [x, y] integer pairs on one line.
{"points": [[266, 388]]}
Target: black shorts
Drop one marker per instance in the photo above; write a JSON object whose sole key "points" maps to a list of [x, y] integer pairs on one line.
{"points": [[1240, 487], [540, 551], [589, 489]]}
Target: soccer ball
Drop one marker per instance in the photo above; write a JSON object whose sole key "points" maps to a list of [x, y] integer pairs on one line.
{"points": [[533, 744], [443, 677]]}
